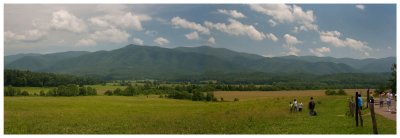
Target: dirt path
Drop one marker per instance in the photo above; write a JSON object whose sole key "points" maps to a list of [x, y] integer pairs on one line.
{"points": [[383, 110]]}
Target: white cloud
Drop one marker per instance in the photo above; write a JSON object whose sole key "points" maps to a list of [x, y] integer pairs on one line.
{"points": [[232, 13], [236, 28], [99, 22], [127, 20], [357, 45], [178, 21], [111, 8], [360, 7], [192, 36], [290, 42], [272, 22], [137, 41], [366, 54], [211, 41], [333, 37], [283, 13], [279, 12], [320, 51], [161, 41], [111, 35], [292, 50], [63, 20], [272, 37], [86, 42], [28, 36], [61, 41]]}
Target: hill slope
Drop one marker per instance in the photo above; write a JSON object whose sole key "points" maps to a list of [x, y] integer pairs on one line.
{"points": [[362, 65], [141, 62]]}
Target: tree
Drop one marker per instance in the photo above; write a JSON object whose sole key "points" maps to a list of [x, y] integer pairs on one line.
{"points": [[197, 96], [118, 91], [24, 93], [41, 93], [341, 92], [91, 91], [330, 92], [129, 91], [12, 91], [83, 91], [108, 93], [210, 96], [392, 80]]}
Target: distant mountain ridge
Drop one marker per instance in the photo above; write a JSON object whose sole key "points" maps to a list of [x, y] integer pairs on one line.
{"points": [[135, 62]]}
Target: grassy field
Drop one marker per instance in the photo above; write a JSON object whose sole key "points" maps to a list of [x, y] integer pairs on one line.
{"points": [[255, 113], [100, 88]]}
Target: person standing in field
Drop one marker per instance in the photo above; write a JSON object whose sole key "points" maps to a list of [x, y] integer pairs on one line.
{"points": [[371, 99], [388, 100], [291, 106], [300, 106], [359, 102], [295, 105], [381, 99], [311, 106]]}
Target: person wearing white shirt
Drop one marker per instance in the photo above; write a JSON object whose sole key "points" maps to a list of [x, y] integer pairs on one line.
{"points": [[389, 96]]}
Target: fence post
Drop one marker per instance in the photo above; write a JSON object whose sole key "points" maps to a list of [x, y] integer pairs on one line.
{"points": [[374, 126], [356, 109], [368, 97]]}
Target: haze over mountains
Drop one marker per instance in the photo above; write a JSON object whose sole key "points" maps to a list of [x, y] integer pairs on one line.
{"points": [[138, 62]]}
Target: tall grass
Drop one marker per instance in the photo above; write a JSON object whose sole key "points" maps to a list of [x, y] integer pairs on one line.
{"points": [[153, 115]]}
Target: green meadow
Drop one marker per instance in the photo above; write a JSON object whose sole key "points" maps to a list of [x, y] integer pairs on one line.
{"points": [[254, 113]]}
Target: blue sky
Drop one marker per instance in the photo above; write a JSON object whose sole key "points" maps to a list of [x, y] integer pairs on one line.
{"points": [[336, 30]]}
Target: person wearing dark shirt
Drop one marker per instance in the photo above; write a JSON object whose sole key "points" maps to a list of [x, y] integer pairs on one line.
{"points": [[311, 107]]}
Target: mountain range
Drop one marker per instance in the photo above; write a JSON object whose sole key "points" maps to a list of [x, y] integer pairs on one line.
{"points": [[139, 62]]}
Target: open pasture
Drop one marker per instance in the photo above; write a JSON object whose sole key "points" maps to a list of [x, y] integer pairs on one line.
{"points": [[254, 113]]}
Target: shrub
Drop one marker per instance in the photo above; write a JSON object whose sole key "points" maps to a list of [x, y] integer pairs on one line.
{"points": [[180, 95], [341, 92], [108, 93], [118, 91], [129, 91], [11, 91], [209, 96], [91, 91], [330, 92], [197, 96], [236, 99], [41, 93], [24, 93]]}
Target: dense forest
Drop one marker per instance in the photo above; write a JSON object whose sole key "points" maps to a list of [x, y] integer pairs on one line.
{"points": [[285, 81], [39, 79], [234, 81]]}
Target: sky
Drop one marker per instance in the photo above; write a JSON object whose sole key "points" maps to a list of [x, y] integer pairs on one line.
{"points": [[336, 30]]}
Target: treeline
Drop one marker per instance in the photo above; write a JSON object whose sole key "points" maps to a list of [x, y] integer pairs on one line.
{"points": [[12, 91], [68, 90], [334, 92], [217, 86], [181, 91], [291, 81], [38, 79]]}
